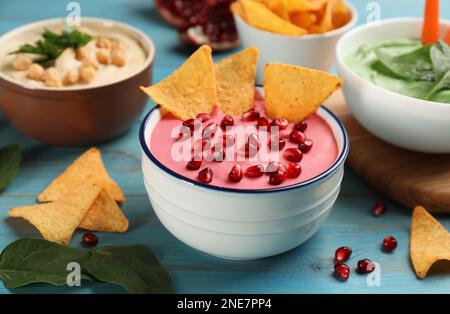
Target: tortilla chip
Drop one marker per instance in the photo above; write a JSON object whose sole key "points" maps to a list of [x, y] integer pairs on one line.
{"points": [[326, 21], [190, 90], [259, 16], [341, 15], [294, 92], [305, 5], [280, 8], [104, 216], [429, 242], [57, 221], [235, 79], [86, 169], [303, 19], [237, 8]]}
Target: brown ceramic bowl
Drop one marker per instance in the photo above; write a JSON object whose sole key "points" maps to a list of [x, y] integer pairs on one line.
{"points": [[80, 115]]}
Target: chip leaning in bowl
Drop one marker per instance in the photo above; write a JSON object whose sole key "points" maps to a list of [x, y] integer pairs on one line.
{"points": [[59, 58], [218, 131], [293, 17]]}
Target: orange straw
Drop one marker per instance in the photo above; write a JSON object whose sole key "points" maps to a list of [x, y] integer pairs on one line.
{"points": [[430, 33], [447, 37]]}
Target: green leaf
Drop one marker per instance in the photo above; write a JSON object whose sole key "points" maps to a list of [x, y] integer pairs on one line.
{"points": [[135, 268], [415, 65], [10, 157], [27, 261], [440, 56], [443, 83]]}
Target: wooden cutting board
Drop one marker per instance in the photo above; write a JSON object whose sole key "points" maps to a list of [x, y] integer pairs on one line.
{"points": [[407, 177]]}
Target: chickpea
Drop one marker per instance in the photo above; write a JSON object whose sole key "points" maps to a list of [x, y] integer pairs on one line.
{"points": [[71, 78], [103, 42], [103, 56], [35, 72], [21, 62], [118, 57], [87, 73], [81, 53], [89, 62], [118, 45], [52, 78]]}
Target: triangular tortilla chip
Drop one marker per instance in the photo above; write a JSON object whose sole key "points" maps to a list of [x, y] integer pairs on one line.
{"points": [[104, 216], [57, 221], [294, 92], [190, 90], [429, 242], [88, 168], [235, 78]]}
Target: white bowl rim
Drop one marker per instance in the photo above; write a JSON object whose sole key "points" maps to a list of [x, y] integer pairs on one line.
{"points": [[364, 27], [343, 29], [150, 54], [342, 156]]}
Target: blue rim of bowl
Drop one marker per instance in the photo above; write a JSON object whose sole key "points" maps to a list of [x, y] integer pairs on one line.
{"points": [[331, 170]]}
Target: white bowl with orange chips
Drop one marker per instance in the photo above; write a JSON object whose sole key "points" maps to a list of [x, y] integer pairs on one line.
{"points": [[238, 221], [312, 46]]}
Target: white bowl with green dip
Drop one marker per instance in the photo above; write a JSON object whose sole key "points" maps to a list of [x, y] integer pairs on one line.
{"points": [[395, 87]]}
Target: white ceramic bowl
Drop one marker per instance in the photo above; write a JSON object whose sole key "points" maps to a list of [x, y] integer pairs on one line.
{"points": [[315, 51], [241, 224], [404, 121]]}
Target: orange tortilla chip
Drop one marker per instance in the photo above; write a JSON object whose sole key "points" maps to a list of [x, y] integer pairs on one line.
{"points": [[303, 19], [261, 17], [190, 90], [326, 21], [429, 242], [294, 92], [57, 221], [235, 79], [305, 5], [237, 8], [104, 216], [86, 169], [341, 15]]}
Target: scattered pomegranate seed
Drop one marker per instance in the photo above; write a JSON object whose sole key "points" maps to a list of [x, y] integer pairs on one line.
{"points": [[254, 171], [389, 244], [195, 163], [205, 175], [218, 154], [252, 146], [277, 143], [293, 154], [297, 137], [274, 166], [236, 173], [301, 126], [262, 122], [306, 146], [89, 239], [365, 266], [281, 123], [227, 121], [190, 124], [379, 208], [228, 140], [250, 115], [203, 117], [277, 177], [210, 130], [204, 143], [342, 254], [184, 134], [341, 272], [292, 170]]}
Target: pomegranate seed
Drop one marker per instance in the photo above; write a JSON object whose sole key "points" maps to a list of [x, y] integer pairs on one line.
{"points": [[274, 166], [252, 146], [89, 239], [195, 163], [250, 115], [203, 117], [262, 122], [184, 134], [236, 173], [341, 272], [379, 208], [342, 254], [389, 244], [281, 123], [277, 143], [306, 146], [365, 266], [190, 124], [210, 130], [228, 140], [277, 177], [301, 126], [293, 170], [293, 154], [205, 175], [218, 154], [204, 143], [297, 137], [254, 171], [227, 122]]}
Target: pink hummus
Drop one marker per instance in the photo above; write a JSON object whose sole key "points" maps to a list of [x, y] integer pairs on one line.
{"points": [[321, 157]]}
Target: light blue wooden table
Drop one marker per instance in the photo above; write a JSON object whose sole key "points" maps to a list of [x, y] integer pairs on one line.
{"points": [[306, 269]]}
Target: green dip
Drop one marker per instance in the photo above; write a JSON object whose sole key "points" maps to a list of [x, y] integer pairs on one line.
{"points": [[406, 67]]}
